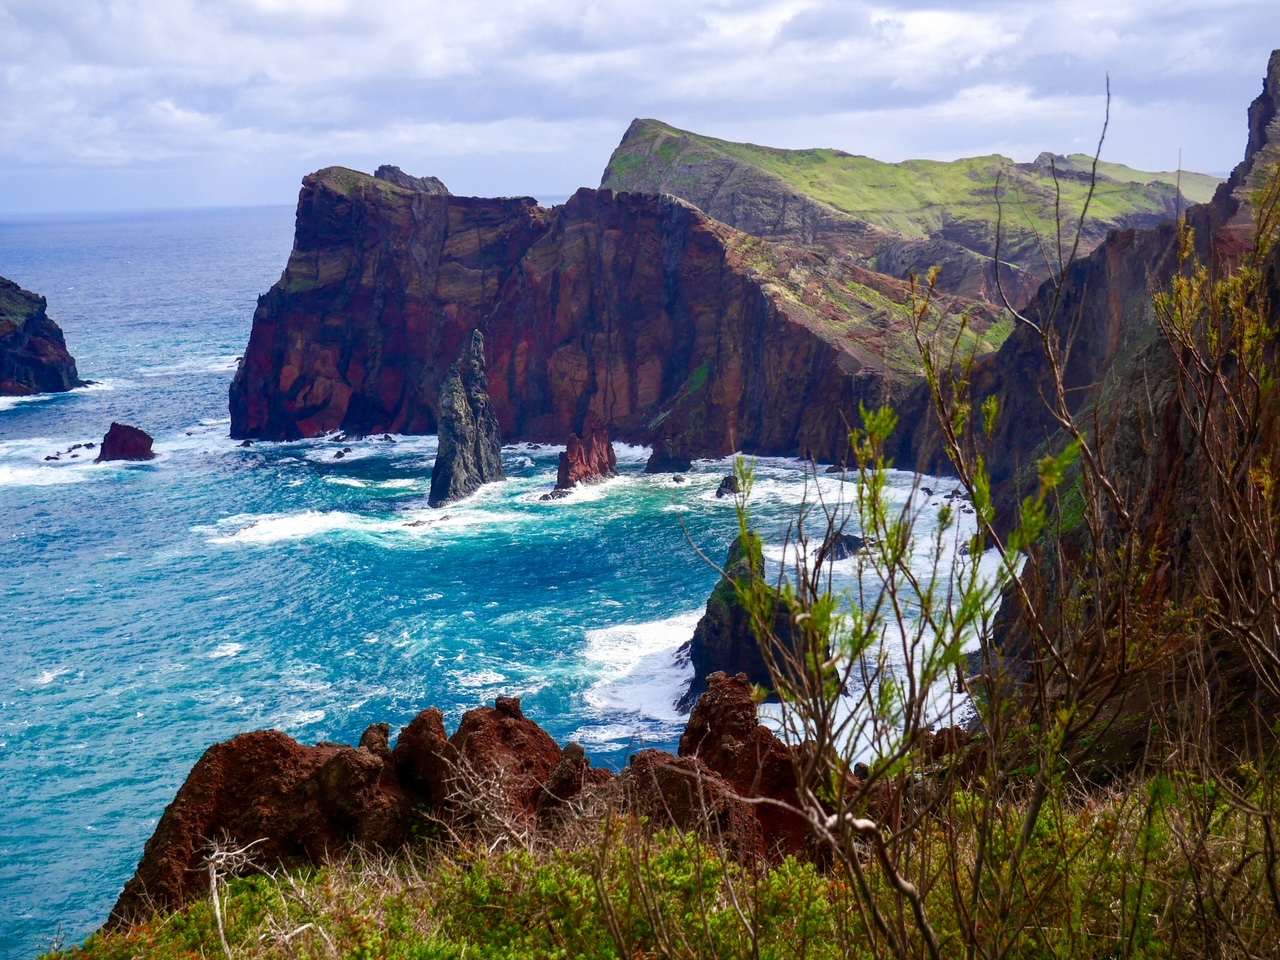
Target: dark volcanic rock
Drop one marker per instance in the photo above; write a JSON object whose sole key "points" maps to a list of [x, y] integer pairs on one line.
{"points": [[124, 442], [298, 803], [470, 451], [432, 185], [728, 487], [725, 640], [724, 733], [33, 352], [587, 461], [842, 546]]}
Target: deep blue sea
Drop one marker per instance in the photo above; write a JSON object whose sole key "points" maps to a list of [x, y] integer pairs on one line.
{"points": [[150, 610]]}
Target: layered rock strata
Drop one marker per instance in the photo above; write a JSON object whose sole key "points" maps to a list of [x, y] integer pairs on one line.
{"points": [[637, 313], [470, 449], [289, 804], [33, 352]]}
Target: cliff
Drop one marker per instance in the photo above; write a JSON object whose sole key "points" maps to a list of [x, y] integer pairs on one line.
{"points": [[33, 352], [636, 313], [896, 217]]}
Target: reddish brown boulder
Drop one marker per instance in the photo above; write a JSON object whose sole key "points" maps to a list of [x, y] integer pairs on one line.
{"points": [[723, 733], [292, 802], [499, 745], [587, 461], [571, 777], [423, 757], [684, 793], [124, 442]]}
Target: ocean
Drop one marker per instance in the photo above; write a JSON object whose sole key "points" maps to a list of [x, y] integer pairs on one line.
{"points": [[150, 610]]}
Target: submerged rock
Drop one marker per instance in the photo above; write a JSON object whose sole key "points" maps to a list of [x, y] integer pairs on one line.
{"points": [[470, 451], [587, 460], [842, 546], [33, 351], [124, 442]]}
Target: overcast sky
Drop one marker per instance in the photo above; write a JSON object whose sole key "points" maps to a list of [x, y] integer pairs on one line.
{"points": [[110, 104]]}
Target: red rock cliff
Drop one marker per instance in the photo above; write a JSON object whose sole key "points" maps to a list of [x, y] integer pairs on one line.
{"points": [[635, 312]]}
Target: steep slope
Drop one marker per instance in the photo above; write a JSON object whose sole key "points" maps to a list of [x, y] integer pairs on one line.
{"points": [[33, 352], [895, 218], [637, 313], [1106, 306]]}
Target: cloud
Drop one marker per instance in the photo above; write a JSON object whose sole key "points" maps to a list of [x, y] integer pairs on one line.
{"points": [[167, 102]]}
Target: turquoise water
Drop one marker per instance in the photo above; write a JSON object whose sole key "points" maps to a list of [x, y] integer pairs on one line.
{"points": [[150, 610]]}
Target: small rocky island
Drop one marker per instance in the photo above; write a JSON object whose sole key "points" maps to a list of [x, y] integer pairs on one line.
{"points": [[33, 352]]}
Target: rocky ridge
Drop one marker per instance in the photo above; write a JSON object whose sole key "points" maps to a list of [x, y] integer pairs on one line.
{"points": [[469, 454], [33, 352], [291, 804], [894, 218]]}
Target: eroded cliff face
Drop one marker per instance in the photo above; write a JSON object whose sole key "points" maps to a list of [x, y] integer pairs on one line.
{"points": [[33, 352], [384, 285], [636, 313]]}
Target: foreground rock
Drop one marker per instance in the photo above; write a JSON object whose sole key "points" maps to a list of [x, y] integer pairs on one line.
{"points": [[587, 460], [33, 352], [292, 804], [725, 639], [725, 734], [124, 442], [470, 450]]}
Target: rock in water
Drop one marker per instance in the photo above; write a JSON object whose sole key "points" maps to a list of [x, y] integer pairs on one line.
{"points": [[587, 461], [842, 546], [33, 353], [124, 442], [728, 487], [470, 451], [725, 640]]}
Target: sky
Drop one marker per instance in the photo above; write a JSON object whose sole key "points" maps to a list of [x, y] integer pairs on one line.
{"points": [[135, 104]]}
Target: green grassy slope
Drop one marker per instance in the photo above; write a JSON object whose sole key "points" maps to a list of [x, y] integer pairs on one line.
{"points": [[945, 212]]}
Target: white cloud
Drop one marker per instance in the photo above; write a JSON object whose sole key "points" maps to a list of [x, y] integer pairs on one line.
{"points": [[131, 102]]}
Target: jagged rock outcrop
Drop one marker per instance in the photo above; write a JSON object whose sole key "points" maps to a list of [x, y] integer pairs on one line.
{"points": [[725, 640], [432, 185], [33, 351], [637, 313], [123, 442], [292, 802], [725, 734], [308, 804], [470, 450], [586, 461]]}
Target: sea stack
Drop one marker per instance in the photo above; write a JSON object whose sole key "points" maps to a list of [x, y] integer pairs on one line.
{"points": [[725, 639], [470, 451], [124, 442], [33, 352], [587, 459]]}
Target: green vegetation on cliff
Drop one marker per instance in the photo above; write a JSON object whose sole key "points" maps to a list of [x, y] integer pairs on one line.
{"points": [[946, 212]]}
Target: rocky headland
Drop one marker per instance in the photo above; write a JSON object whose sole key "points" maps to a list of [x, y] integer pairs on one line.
{"points": [[637, 313], [33, 352], [470, 450]]}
